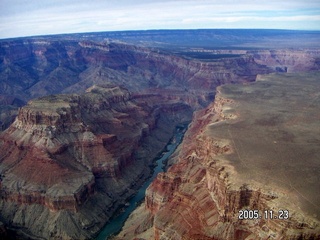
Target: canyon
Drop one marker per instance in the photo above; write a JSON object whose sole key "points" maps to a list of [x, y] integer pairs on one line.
{"points": [[83, 116], [76, 158], [223, 168]]}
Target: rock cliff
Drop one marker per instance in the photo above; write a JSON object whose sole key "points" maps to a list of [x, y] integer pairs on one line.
{"points": [[31, 68], [238, 155], [289, 60], [65, 153]]}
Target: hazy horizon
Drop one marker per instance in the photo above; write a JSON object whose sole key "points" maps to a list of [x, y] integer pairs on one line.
{"points": [[21, 18], [139, 30]]}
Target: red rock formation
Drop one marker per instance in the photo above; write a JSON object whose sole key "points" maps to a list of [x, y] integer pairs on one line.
{"points": [[41, 66], [202, 193], [63, 152], [73, 152]]}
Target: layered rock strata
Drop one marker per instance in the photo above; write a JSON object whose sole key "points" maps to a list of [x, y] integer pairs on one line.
{"points": [[285, 60], [68, 161], [70, 133], [36, 67], [242, 154], [31, 68]]}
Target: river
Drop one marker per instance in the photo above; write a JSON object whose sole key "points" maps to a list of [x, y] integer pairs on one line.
{"points": [[117, 222]]}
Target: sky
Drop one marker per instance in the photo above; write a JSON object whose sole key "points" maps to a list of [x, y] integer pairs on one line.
{"points": [[20, 18]]}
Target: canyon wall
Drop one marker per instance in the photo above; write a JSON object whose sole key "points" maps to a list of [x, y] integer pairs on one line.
{"points": [[293, 60], [31, 68], [78, 157], [223, 167], [35, 67]]}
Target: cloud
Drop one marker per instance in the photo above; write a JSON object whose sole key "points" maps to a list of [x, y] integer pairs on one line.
{"points": [[32, 17]]}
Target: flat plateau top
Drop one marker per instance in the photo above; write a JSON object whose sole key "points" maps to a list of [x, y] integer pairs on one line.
{"points": [[276, 135]]}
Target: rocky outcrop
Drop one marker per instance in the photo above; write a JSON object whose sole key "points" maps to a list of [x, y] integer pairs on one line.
{"points": [[223, 168], [64, 153], [47, 133]]}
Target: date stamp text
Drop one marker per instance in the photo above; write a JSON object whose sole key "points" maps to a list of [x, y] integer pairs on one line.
{"points": [[266, 214]]}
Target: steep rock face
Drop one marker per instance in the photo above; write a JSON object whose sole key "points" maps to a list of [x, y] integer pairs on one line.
{"points": [[215, 175], [289, 60], [65, 153], [33, 68], [51, 132], [143, 68]]}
